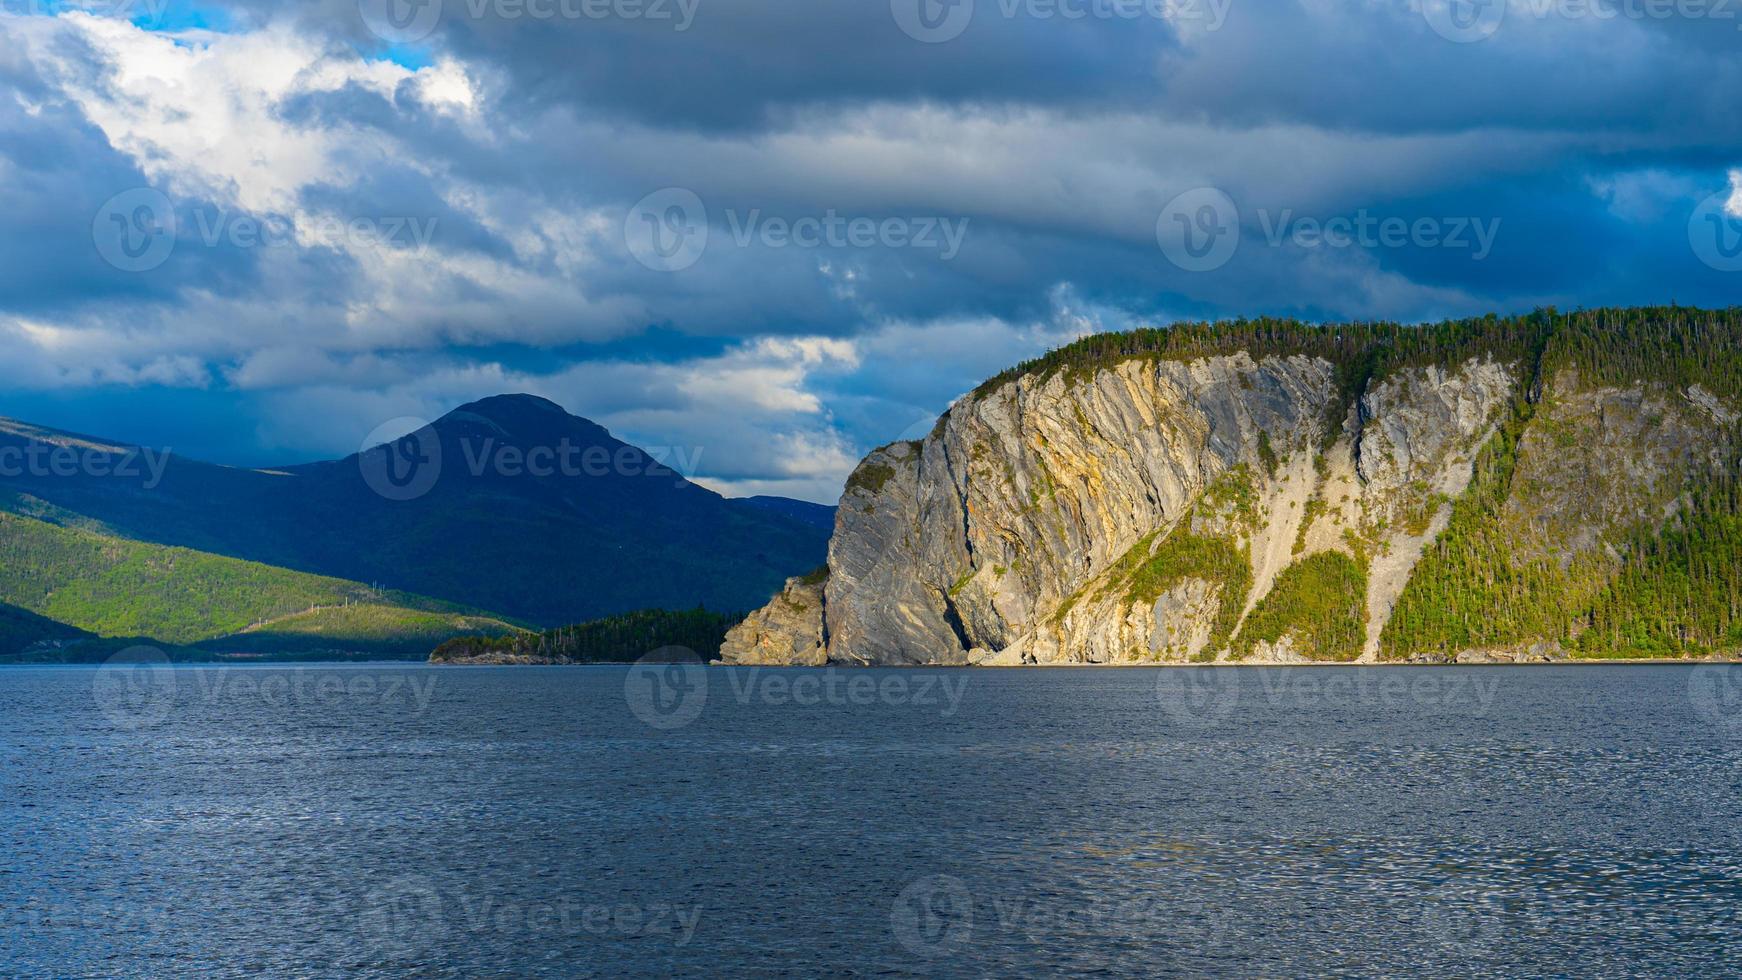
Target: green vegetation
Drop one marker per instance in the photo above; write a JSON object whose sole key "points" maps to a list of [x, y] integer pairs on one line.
{"points": [[1680, 591], [115, 587], [608, 530], [1315, 508], [1266, 454], [1672, 345], [112, 587], [1148, 569], [1183, 556], [1472, 587], [1233, 497], [387, 631], [21, 629], [870, 477], [961, 582], [614, 639], [1321, 600], [1646, 591], [1361, 351]]}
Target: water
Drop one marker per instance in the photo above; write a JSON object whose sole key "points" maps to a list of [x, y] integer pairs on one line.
{"points": [[390, 820]]}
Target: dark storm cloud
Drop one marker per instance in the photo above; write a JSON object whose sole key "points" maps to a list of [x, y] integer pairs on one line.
{"points": [[1554, 157], [716, 64]]}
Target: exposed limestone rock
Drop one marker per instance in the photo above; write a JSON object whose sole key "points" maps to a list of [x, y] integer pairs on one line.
{"points": [[789, 630], [1141, 511], [1281, 652], [1180, 619]]}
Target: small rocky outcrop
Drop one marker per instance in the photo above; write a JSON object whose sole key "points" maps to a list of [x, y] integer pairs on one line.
{"points": [[787, 631]]}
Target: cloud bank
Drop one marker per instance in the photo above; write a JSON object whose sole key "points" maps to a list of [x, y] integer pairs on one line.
{"points": [[779, 233]]}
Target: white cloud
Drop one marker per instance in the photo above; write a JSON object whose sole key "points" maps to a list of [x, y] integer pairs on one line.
{"points": [[831, 350]]}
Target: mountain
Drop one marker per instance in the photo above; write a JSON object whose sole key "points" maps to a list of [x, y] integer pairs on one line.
{"points": [[1547, 486], [21, 629], [508, 504], [820, 516], [61, 588]]}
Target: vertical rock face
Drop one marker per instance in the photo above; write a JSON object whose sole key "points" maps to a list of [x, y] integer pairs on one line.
{"points": [[789, 630], [957, 547], [1270, 508]]}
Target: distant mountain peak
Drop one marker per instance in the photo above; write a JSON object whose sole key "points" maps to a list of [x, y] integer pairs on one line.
{"points": [[517, 402], [532, 512], [524, 418]]}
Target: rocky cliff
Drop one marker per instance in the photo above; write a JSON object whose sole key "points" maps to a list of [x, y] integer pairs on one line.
{"points": [[1278, 492]]}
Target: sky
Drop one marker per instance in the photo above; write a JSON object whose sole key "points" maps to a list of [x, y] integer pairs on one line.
{"points": [[773, 234]]}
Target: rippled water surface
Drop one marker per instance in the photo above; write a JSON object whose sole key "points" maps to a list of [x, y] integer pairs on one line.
{"points": [[388, 820]]}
